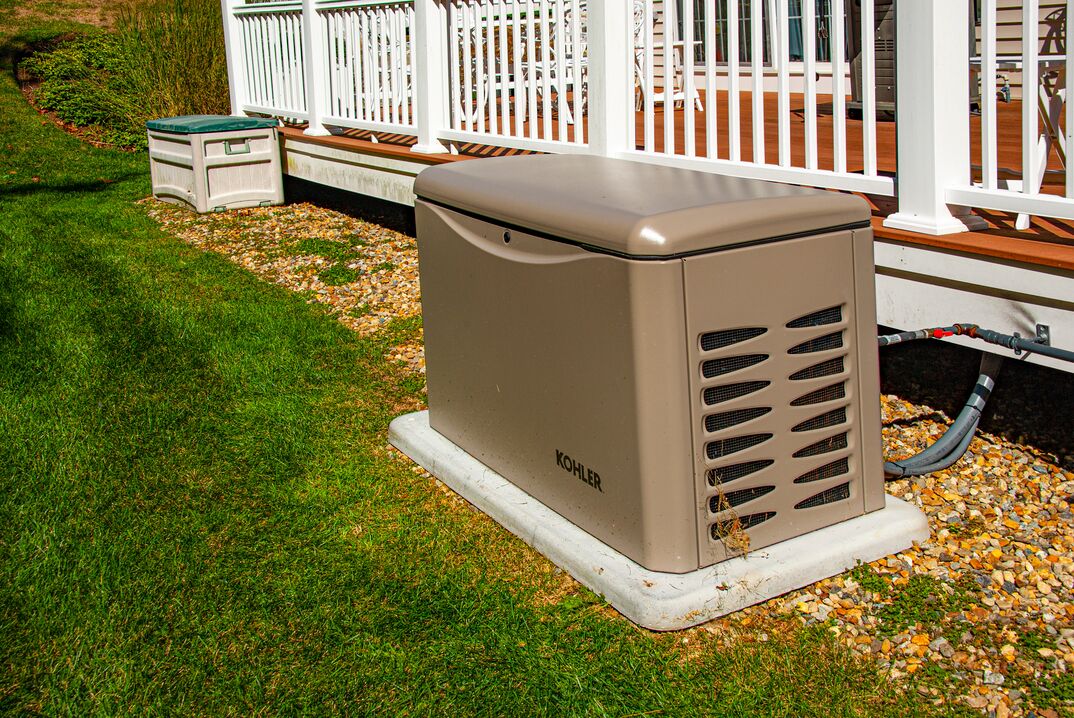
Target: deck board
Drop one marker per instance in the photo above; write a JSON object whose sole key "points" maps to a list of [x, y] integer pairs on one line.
{"points": [[1048, 242]]}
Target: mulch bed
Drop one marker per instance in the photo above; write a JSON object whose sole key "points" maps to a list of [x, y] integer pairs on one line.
{"points": [[982, 613]]}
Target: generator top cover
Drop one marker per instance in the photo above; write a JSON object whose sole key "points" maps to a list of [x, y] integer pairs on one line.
{"points": [[635, 209]]}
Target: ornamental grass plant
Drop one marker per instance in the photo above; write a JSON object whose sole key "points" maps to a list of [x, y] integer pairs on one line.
{"points": [[164, 58]]}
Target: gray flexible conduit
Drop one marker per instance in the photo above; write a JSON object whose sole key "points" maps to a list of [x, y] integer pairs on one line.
{"points": [[950, 447]]}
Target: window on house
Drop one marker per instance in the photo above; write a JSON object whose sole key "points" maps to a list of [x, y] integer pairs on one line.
{"points": [[745, 50]]}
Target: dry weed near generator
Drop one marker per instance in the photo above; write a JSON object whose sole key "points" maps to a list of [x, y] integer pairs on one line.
{"points": [[665, 380]]}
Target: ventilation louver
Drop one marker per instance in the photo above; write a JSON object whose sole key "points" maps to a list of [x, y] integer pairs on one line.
{"points": [[727, 392], [717, 340], [821, 330], [828, 471], [722, 529], [719, 367], [719, 422], [828, 496], [727, 474], [825, 368]]}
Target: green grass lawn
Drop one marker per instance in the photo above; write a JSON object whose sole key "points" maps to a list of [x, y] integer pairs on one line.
{"points": [[199, 514]]}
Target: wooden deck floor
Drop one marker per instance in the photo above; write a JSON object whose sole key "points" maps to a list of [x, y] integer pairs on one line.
{"points": [[1048, 242]]}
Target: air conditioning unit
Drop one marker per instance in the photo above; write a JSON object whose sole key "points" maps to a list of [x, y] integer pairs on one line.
{"points": [[681, 364]]}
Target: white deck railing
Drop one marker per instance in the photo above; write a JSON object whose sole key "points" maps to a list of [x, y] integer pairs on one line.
{"points": [[517, 73], [1047, 120], [368, 64], [269, 69], [661, 61], [594, 75]]}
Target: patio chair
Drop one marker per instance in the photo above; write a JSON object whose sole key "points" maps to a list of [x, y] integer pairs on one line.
{"points": [[1051, 96], [562, 68], [678, 92], [496, 83]]}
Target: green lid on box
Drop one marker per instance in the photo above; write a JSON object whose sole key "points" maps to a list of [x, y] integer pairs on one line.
{"points": [[197, 124]]}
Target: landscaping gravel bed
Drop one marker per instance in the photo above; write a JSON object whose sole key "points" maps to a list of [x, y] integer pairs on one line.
{"points": [[981, 614], [363, 273]]}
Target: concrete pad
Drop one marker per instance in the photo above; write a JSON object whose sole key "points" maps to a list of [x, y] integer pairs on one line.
{"points": [[656, 600]]}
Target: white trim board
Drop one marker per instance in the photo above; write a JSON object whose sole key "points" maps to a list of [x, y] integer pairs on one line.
{"points": [[919, 287], [388, 178]]}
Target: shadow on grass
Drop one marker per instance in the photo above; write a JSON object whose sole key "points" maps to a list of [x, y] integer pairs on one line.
{"points": [[66, 188]]}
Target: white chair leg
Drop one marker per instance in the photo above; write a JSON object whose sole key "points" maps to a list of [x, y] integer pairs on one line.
{"points": [[1044, 148]]}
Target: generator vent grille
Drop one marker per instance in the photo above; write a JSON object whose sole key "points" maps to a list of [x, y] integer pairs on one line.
{"points": [[727, 337], [731, 508], [831, 315], [722, 502], [726, 447], [828, 418], [727, 392], [727, 419], [828, 496], [819, 344], [726, 365], [824, 446], [825, 368], [727, 474], [828, 393], [835, 468], [723, 529]]}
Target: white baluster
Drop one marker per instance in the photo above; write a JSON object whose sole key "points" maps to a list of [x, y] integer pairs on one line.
{"points": [[989, 160], [809, 67], [839, 96], [757, 72], [734, 116]]}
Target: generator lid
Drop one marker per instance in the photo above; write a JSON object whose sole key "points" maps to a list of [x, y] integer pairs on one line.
{"points": [[634, 208], [199, 124]]}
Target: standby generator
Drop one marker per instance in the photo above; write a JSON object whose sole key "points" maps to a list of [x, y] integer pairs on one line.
{"points": [[682, 364]]}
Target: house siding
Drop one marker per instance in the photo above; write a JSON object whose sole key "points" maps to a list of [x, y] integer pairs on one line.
{"points": [[1009, 35]]}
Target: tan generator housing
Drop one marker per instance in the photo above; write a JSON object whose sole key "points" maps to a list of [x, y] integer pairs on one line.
{"points": [[682, 364]]}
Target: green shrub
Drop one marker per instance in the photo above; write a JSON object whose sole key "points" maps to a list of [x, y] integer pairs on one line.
{"points": [[89, 82], [165, 58]]}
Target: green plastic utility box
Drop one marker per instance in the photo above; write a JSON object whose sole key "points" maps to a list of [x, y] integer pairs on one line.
{"points": [[214, 162]]}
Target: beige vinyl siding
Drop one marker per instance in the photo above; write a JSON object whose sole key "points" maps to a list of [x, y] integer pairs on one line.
{"points": [[1009, 33]]}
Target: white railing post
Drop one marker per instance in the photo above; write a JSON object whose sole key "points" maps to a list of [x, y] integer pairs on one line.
{"points": [[313, 55], [235, 53], [933, 114], [430, 75], [611, 62]]}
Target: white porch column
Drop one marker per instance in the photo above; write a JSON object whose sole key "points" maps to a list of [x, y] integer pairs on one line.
{"points": [[933, 130], [235, 54], [313, 54], [611, 62], [430, 75]]}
